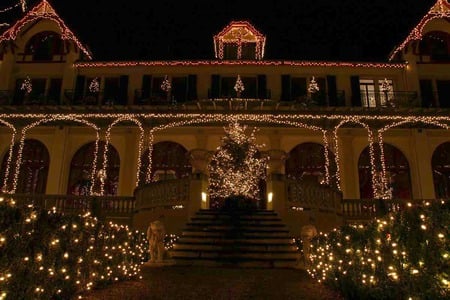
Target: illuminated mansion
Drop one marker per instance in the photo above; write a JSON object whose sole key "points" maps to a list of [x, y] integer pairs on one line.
{"points": [[138, 135]]}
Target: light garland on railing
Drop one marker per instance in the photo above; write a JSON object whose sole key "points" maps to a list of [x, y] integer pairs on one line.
{"points": [[10, 155], [239, 63], [108, 139], [46, 120]]}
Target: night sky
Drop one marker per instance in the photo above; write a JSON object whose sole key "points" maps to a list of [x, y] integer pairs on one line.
{"points": [[357, 30]]}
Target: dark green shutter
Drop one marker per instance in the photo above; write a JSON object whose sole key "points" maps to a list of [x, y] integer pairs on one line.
{"points": [[146, 87], [332, 90], [262, 86], [215, 86], [286, 88], [123, 90], [79, 89], [426, 93], [356, 91], [192, 87]]}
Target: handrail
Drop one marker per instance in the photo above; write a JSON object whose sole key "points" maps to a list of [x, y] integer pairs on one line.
{"points": [[165, 193]]}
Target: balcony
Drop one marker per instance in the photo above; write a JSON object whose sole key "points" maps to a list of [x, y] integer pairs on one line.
{"points": [[398, 99]]}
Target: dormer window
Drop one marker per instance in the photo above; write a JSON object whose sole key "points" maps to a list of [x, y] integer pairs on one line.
{"points": [[44, 45], [239, 40]]}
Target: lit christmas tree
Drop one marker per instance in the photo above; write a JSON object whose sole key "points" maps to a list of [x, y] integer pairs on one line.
{"points": [[239, 86], [236, 169]]}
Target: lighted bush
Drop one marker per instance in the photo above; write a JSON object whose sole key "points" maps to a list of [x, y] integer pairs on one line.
{"points": [[47, 255], [402, 256]]}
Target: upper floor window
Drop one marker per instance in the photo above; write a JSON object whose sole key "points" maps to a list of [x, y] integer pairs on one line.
{"points": [[44, 45], [376, 93]]}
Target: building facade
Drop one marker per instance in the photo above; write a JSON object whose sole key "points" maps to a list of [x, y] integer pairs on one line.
{"points": [[145, 130]]}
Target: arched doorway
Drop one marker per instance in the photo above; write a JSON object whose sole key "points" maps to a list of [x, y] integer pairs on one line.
{"points": [[80, 180], [440, 165], [397, 172], [169, 161], [308, 159], [33, 169]]}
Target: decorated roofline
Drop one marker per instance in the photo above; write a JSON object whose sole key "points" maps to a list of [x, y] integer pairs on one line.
{"points": [[441, 9], [43, 10], [239, 39], [175, 63]]}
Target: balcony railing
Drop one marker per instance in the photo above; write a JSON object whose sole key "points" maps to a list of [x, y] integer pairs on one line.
{"points": [[398, 99], [363, 210]]}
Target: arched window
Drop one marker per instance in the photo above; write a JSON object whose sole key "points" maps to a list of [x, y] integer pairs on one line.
{"points": [[43, 45], [440, 164], [169, 161], [80, 180], [435, 44], [33, 169], [308, 159], [397, 172]]}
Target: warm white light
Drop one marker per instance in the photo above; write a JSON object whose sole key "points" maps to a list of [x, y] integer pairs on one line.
{"points": [[269, 197], [204, 197]]}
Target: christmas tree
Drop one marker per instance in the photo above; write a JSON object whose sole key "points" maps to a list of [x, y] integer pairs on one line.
{"points": [[236, 169]]}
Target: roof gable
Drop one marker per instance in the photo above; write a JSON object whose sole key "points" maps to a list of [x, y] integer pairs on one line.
{"points": [[441, 9], [239, 32], [43, 10]]}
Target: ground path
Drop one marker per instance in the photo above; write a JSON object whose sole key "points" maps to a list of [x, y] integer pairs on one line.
{"points": [[208, 283]]}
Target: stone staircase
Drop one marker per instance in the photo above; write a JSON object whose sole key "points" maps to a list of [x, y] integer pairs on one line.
{"points": [[256, 238]]}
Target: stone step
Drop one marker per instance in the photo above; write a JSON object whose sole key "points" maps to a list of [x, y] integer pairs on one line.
{"points": [[236, 213], [241, 219], [237, 247], [240, 226], [240, 235], [227, 254], [223, 240], [224, 229], [239, 263]]}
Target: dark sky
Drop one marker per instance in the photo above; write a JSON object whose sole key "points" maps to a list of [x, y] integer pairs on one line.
{"points": [[364, 30]]}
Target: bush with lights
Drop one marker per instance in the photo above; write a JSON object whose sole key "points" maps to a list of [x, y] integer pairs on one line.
{"points": [[404, 255], [48, 255]]}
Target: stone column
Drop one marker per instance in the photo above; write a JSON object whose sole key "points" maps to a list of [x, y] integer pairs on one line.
{"points": [[276, 194], [199, 159]]}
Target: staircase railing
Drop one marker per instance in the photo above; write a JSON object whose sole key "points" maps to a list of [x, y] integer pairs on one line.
{"points": [[102, 207], [165, 193], [309, 194]]}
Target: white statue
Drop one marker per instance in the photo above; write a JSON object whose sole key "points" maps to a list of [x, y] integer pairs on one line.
{"points": [[155, 235], [308, 232]]}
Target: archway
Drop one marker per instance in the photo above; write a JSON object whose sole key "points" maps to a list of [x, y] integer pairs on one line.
{"points": [[397, 172], [43, 45], [169, 161], [308, 159], [80, 180], [34, 167], [440, 165]]}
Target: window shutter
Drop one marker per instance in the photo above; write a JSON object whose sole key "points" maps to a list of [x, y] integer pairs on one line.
{"points": [[285, 88], [332, 90], [192, 87], [356, 91], [262, 86]]}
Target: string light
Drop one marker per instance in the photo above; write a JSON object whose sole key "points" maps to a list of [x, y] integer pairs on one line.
{"points": [[239, 33], [43, 10], [295, 63], [239, 86], [27, 86], [94, 85], [106, 148], [440, 10]]}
